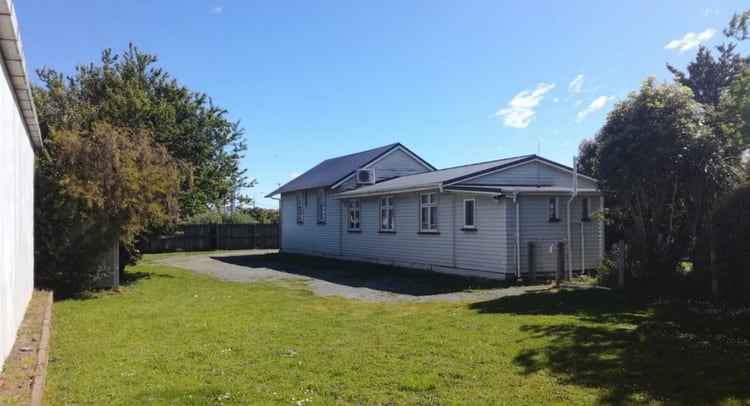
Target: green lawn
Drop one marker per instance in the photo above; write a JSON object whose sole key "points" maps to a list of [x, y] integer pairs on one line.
{"points": [[178, 337]]}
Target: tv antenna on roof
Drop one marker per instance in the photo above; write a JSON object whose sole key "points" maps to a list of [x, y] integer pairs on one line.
{"points": [[539, 146]]}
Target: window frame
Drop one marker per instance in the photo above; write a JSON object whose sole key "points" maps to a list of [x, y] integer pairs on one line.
{"points": [[354, 207], [585, 209], [473, 225], [387, 214], [553, 210], [431, 207], [321, 206], [301, 207]]}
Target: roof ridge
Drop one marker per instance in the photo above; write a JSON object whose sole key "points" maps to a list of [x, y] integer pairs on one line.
{"points": [[384, 147]]}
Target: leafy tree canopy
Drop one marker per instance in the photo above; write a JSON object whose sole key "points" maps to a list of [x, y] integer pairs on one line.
{"points": [[129, 91], [656, 158]]}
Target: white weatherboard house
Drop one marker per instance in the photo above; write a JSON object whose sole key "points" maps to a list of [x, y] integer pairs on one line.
{"points": [[387, 205], [19, 131]]}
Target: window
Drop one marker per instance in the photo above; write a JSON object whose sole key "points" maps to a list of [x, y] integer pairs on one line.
{"points": [[301, 206], [321, 206], [387, 222], [554, 215], [428, 212], [585, 210], [354, 215], [469, 214]]}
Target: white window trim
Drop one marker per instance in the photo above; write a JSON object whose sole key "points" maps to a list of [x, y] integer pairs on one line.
{"points": [[555, 217], [391, 215], [473, 213], [321, 206], [585, 209], [300, 207], [431, 205], [354, 225]]}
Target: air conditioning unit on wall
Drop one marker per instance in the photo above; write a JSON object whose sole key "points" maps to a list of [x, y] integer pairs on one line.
{"points": [[365, 176]]}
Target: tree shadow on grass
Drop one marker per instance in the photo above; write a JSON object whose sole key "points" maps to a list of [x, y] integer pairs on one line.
{"points": [[359, 274], [636, 351]]}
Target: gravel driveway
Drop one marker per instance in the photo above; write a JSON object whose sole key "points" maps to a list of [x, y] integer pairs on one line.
{"points": [[220, 266]]}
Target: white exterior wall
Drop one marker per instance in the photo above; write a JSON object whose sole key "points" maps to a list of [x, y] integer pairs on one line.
{"points": [[535, 226], [484, 248], [16, 218], [481, 252], [311, 237]]}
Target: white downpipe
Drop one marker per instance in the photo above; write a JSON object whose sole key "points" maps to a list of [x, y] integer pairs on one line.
{"points": [[572, 196], [518, 236]]}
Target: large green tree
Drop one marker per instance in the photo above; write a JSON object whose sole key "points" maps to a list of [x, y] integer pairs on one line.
{"points": [[129, 91], [128, 151], [655, 157], [95, 186]]}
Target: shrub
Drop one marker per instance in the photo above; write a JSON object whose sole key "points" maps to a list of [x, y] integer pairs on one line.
{"points": [[731, 242]]}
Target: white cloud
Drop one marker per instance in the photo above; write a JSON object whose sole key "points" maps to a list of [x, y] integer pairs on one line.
{"points": [[520, 110], [691, 40], [556, 100], [595, 105], [575, 85], [294, 175], [710, 11], [216, 10]]}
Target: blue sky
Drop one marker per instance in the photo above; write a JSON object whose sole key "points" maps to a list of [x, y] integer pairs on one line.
{"points": [[457, 82]]}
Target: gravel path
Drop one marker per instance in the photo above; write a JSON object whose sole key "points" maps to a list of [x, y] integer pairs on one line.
{"points": [[239, 273]]}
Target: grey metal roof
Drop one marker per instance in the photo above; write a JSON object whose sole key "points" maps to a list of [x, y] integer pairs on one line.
{"points": [[12, 55], [331, 171], [435, 179]]}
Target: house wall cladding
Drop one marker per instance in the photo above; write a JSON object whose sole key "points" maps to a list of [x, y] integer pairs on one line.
{"points": [[485, 247], [309, 237], [536, 227], [479, 251], [16, 218]]}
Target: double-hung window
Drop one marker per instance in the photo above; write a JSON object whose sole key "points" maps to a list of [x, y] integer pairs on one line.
{"points": [[321, 206], [354, 215], [428, 212], [469, 219], [301, 206], [553, 209], [585, 209], [387, 220]]}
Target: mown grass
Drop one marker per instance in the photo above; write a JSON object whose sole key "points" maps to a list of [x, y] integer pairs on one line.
{"points": [[178, 337]]}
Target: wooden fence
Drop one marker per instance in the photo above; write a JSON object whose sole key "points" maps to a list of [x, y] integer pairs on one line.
{"points": [[208, 237]]}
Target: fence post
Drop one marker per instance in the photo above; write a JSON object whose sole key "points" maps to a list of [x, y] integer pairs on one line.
{"points": [[621, 263], [532, 265], [560, 263]]}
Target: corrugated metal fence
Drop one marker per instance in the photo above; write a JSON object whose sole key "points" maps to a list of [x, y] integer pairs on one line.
{"points": [[207, 237]]}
